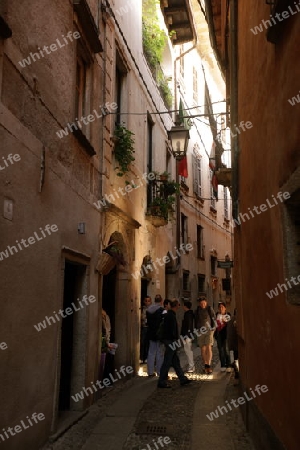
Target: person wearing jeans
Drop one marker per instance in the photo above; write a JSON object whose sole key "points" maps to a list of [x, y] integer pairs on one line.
{"points": [[171, 358], [187, 328]]}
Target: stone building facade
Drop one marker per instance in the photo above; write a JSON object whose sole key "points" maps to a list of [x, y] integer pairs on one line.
{"points": [[70, 74], [49, 64]]}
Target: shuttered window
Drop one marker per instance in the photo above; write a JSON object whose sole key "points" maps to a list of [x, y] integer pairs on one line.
{"points": [[197, 175]]}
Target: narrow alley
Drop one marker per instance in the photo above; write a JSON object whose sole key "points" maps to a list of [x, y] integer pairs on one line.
{"points": [[150, 224]]}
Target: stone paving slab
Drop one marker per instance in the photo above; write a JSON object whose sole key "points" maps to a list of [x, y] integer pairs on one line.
{"points": [[110, 434], [234, 421], [212, 436]]}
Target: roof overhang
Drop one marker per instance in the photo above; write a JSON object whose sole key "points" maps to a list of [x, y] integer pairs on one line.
{"points": [[179, 19]]}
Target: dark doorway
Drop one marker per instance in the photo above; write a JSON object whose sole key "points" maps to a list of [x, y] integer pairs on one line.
{"points": [[108, 300], [144, 290], [109, 306], [74, 278]]}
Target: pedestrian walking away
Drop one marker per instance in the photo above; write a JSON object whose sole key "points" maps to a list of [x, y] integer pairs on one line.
{"points": [[144, 342], [167, 305], [187, 328], [170, 334], [156, 349]]}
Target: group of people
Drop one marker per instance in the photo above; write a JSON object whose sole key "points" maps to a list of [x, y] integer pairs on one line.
{"points": [[160, 337]]}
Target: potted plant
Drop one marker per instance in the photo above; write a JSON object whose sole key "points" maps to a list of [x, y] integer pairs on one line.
{"points": [[124, 149], [161, 206]]}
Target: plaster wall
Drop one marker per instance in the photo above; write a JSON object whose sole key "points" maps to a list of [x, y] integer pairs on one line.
{"points": [[36, 101], [269, 154]]}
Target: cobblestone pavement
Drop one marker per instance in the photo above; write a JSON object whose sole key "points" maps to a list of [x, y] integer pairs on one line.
{"points": [[173, 409], [166, 412]]}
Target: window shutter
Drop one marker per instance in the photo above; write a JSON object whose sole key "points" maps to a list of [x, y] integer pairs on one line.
{"points": [[195, 174]]}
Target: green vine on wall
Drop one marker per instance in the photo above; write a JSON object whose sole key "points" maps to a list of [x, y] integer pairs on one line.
{"points": [[154, 38], [124, 149], [154, 42]]}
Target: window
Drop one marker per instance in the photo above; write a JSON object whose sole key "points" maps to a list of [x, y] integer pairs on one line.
{"points": [[212, 194], [291, 227], [184, 229], [201, 284], [275, 31], [151, 187], [226, 214], [120, 82], [88, 24], [149, 143], [197, 175], [200, 246], [208, 106], [118, 94], [80, 94], [83, 98], [195, 86], [181, 62], [213, 265], [185, 280]]}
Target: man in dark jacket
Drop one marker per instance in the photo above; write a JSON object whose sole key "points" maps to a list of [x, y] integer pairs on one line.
{"points": [[171, 358], [156, 349], [186, 330], [144, 341]]}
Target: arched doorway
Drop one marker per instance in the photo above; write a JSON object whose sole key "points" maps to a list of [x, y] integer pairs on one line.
{"points": [[116, 303]]}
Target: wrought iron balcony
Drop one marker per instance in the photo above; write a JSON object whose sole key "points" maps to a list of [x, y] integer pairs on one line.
{"points": [[161, 198]]}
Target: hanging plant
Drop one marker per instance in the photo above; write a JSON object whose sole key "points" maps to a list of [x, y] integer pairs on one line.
{"points": [[115, 252], [170, 188], [124, 149]]}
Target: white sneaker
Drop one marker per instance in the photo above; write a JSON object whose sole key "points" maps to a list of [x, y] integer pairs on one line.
{"points": [[228, 369], [223, 369], [191, 369]]}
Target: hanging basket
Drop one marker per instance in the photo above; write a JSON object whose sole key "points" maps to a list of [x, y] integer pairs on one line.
{"points": [[105, 263]]}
